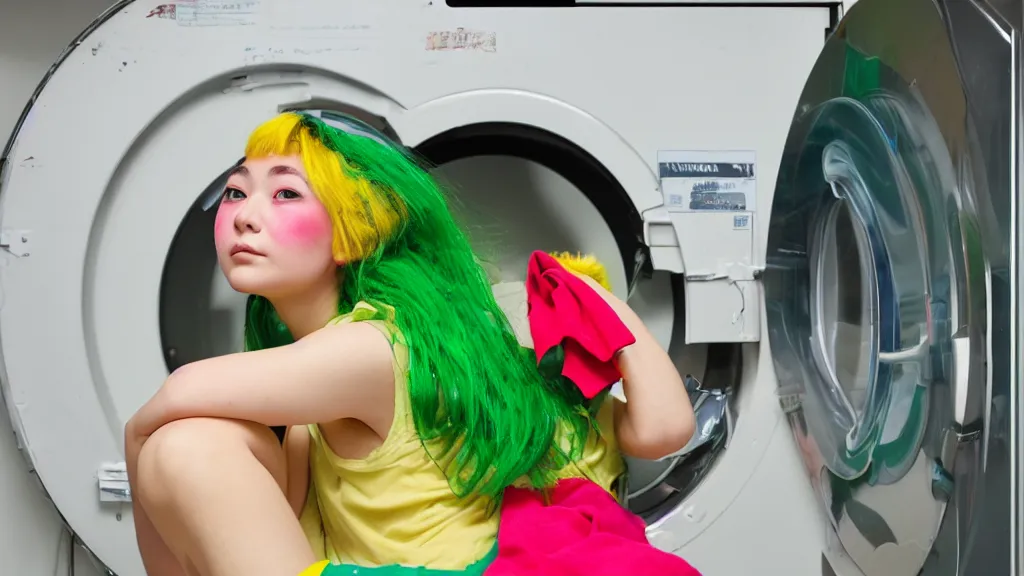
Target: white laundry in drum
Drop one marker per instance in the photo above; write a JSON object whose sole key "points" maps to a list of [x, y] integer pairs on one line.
{"points": [[511, 297]]}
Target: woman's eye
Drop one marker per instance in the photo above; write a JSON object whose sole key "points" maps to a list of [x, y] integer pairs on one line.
{"points": [[233, 194], [287, 195]]}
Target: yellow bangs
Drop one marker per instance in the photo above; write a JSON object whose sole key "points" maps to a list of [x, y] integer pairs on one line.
{"points": [[361, 217]]}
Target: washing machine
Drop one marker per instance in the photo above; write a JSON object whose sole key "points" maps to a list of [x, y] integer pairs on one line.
{"points": [[817, 218]]}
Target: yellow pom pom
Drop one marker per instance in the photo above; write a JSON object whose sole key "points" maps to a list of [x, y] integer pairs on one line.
{"points": [[584, 265]]}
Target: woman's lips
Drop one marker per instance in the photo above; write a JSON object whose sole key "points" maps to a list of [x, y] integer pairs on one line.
{"points": [[245, 249]]}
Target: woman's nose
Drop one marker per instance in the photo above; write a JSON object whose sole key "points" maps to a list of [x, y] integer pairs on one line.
{"points": [[248, 216]]}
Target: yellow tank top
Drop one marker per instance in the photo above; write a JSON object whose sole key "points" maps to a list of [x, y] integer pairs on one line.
{"points": [[601, 461], [395, 506]]}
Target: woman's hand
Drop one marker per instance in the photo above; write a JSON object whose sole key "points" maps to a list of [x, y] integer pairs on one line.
{"points": [[621, 309], [156, 412], [657, 418], [133, 441], [153, 414]]}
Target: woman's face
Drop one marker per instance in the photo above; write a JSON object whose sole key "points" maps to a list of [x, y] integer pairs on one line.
{"points": [[273, 236]]}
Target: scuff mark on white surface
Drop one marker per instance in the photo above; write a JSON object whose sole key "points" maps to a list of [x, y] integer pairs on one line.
{"points": [[276, 53], [320, 30], [16, 242], [462, 39], [208, 12]]}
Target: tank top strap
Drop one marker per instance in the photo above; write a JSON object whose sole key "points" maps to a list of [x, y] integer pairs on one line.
{"points": [[383, 320]]}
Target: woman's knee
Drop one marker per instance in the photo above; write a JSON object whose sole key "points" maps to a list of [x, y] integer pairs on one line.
{"points": [[190, 451]]}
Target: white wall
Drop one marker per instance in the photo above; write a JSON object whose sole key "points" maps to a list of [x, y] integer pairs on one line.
{"points": [[32, 35]]}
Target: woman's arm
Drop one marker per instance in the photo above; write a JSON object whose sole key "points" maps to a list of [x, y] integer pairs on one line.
{"points": [[342, 371], [657, 418]]}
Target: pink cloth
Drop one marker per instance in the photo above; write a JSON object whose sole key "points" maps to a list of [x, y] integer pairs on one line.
{"points": [[564, 310], [581, 531]]}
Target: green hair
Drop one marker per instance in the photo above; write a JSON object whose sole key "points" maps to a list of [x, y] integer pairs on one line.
{"points": [[483, 409]]}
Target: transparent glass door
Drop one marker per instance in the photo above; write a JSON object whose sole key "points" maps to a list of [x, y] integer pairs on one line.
{"points": [[886, 284]]}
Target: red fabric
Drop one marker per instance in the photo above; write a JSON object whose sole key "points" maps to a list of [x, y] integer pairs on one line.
{"points": [[564, 310], [583, 531]]}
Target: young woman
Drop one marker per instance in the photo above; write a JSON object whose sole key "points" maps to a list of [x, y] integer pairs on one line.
{"points": [[373, 335]]}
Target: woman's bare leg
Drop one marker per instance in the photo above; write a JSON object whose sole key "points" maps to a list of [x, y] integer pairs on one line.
{"points": [[157, 558], [214, 490]]}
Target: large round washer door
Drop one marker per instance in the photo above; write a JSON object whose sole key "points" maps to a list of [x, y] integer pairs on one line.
{"points": [[884, 240]]}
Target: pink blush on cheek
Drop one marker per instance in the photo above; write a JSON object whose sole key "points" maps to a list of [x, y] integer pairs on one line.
{"points": [[224, 224], [305, 224]]}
